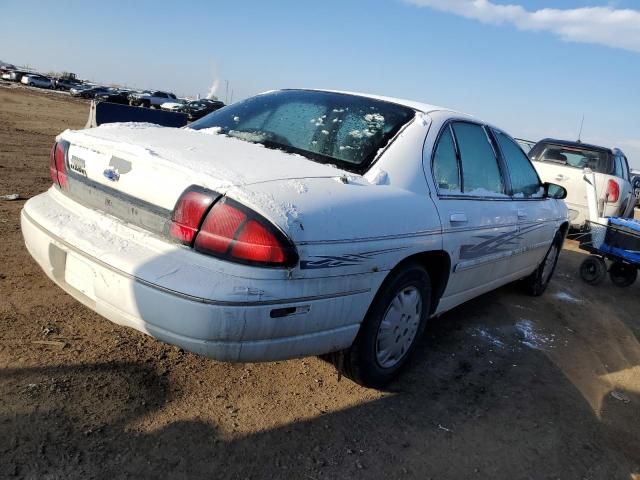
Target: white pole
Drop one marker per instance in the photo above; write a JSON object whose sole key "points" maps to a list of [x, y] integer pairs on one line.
{"points": [[592, 198]]}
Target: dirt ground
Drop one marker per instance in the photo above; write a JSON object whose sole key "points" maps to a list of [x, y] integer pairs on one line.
{"points": [[506, 386]]}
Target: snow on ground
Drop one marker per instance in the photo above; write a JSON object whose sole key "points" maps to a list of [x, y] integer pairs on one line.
{"points": [[512, 337], [532, 338], [564, 296], [491, 338]]}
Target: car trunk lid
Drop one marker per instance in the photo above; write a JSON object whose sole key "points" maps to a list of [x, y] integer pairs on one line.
{"points": [[137, 172]]}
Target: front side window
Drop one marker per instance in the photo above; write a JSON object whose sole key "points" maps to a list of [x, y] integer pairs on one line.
{"points": [[625, 166], [480, 172], [340, 129], [524, 179]]}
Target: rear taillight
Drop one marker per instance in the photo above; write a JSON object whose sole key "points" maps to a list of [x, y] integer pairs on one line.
{"points": [[613, 191], [57, 164], [229, 230], [189, 212]]}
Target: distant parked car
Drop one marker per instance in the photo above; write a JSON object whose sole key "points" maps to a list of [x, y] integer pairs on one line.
{"points": [[151, 99], [635, 183], [173, 105], [13, 75], [66, 84], [526, 145], [34, 80], [89, 92], [199, 108], [114, 96], [563, 162]]}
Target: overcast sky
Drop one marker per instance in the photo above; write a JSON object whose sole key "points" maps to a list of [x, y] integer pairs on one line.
{"points": [[532, 67]]}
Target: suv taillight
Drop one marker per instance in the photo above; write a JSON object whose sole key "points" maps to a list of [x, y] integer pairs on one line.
{"points": [[57, 164], [229, 230], [613, 191]]}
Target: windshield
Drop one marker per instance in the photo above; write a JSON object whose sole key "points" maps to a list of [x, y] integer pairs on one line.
{"points": [[345, 130]]}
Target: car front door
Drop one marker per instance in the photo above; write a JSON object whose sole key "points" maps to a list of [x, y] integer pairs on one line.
{"points": [[537, 215], [479, 223], [627, 196]]}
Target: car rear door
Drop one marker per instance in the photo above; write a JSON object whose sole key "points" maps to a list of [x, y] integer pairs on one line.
{"points": [[478, 220]]}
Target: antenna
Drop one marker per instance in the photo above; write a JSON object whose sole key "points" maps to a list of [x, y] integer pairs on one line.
{"points": [[580, 132]]}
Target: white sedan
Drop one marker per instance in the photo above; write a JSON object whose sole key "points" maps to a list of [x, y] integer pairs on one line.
{"points": [[295, 223]]}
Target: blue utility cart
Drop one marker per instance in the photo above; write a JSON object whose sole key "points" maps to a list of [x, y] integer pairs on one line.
{"points": [[617, 241]]}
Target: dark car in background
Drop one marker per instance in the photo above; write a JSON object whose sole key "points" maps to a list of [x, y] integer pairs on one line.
{"points": [[196, 109], [66, 84], [635, 183], [89, 92], [114, 96]]}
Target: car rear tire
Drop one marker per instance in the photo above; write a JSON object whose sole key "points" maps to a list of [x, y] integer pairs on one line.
{"points": [[622, 274], [537, 282], [593, 270], [391, 329]]}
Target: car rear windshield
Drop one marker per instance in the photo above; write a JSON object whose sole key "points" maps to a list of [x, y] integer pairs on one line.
{"points": [[573, 156], [340, 129]]}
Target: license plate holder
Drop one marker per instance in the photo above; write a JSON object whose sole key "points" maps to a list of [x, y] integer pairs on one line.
{"points": [[79, 275]]}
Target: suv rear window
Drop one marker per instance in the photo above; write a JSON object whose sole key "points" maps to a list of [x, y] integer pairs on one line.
{"points": [[335, 128], [573, 156]]}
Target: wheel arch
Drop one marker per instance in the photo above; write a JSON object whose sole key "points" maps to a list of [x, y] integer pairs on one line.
{"points": [[437, 263], [564, 229]]}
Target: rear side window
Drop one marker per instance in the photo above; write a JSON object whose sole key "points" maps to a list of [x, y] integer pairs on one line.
{"points": [[620, 167], [524, 179], [445, 164], [480, 172]]}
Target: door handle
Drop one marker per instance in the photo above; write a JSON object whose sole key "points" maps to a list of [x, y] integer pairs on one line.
{"points": [[458, 218], [522, 213], [560, 177]]}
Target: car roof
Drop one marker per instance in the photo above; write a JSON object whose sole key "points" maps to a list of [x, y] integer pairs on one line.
{"points": [[569, 143], [419, 106]]}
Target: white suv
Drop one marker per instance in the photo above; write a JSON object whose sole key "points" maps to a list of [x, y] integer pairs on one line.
{"points": [[563, 162]]}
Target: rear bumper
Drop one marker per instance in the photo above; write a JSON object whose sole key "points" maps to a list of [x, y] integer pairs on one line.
{"points": [[225, 328], [579, 214]]}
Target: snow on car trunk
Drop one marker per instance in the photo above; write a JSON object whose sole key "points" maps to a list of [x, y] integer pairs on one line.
{"points": [[154, 165]]}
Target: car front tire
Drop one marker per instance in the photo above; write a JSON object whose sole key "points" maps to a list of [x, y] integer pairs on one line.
{"points": [[537, 282], [391, 329]]}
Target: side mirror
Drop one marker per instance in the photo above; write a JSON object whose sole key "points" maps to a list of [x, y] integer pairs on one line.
{"points": [[636, 182], [551, 190]]}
